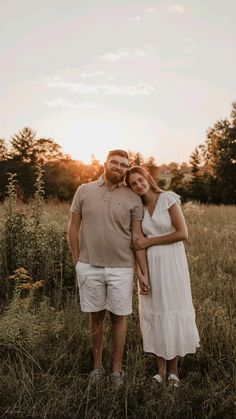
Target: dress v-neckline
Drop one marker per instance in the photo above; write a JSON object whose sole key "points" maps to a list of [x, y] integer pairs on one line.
{"points": [[155, 207]]}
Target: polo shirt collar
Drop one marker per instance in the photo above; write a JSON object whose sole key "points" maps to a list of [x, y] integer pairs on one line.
{"points": [[101, 182]]}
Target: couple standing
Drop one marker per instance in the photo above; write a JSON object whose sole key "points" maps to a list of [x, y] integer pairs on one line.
{"points": [[108, 220]]}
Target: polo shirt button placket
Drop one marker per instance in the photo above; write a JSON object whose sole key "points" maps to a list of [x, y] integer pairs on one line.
{"points": [[107, 196]]}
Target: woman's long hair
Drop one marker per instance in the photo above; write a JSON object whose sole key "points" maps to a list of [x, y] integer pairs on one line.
{"points": [[145, 174]]}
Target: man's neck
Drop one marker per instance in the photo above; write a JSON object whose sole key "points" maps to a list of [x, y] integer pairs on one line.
{"points": [[110, 184]]}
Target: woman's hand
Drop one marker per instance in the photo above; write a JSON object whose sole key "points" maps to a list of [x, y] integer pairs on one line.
{"points": [[141, 242], [144, 284]]}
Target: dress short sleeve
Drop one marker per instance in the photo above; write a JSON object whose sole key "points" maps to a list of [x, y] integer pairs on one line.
{"points": [[170, 198], [138, 209]]}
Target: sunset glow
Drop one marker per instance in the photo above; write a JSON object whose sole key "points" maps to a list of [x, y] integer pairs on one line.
{"points": [[155, 86]]}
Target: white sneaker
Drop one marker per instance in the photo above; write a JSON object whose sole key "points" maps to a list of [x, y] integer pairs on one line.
{"points": [[117, 379], [97, 374]]}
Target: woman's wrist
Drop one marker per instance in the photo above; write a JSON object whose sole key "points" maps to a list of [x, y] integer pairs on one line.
{"points": [[150, 241]]}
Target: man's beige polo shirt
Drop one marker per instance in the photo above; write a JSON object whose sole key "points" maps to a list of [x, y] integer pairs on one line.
{"points": [[105, 234]]}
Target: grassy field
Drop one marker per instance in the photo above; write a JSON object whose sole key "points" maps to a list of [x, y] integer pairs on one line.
{"points": [[45, 355]]}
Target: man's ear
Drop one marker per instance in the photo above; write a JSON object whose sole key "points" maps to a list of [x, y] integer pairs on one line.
{"points": [[105, 164]]}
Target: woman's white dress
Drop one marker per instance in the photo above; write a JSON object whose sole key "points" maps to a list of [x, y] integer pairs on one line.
{"points": [[167, 316]]}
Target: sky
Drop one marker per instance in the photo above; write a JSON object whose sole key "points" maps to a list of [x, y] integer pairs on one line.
{"points": [[94, 75]]}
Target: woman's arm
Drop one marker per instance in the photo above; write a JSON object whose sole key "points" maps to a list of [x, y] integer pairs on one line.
{"points": [[141, 260], [181, 233]]}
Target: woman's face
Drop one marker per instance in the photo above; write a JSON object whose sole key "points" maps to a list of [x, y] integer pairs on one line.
{"points": [[138, 184]]}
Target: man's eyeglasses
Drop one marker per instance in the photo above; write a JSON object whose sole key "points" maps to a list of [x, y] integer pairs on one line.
{"points": [[115, 163]]}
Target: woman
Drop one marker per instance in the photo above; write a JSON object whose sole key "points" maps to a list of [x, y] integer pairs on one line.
{"points": [[167, 316]]}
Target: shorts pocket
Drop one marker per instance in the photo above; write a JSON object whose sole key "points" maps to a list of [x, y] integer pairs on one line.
{"points": [[81, 267], [81, 279], [81, 272]]}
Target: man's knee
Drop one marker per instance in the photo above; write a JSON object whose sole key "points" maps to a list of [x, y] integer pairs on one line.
{"points": [[97, 317], [116, 319]]}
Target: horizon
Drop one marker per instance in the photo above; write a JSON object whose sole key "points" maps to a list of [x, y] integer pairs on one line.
{"points": [[101, 161]]}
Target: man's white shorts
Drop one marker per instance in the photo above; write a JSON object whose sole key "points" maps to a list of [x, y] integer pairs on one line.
{"points": [[105, 288]]}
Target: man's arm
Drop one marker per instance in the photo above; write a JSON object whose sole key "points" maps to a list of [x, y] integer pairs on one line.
{"points": [[73, 235], [141, 259]]}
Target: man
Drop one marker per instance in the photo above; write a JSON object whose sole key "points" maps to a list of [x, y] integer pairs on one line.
{"points": [[107, 214]]}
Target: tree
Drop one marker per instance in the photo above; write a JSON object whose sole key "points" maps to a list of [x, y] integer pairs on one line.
{"points": [[31, 150], [173, 166], [3, 150], [220, 152], [185, 168], [47, 150], [135, 158], [23, 146], [197, 184], [152, 168], [61, 179], [27, 151], [213, 164], [178, 184]]}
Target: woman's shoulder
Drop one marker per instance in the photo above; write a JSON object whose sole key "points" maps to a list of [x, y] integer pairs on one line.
{"points": [[169, 198], [169, 194]]}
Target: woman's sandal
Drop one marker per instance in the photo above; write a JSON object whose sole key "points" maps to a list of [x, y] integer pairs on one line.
{"points": [[173, 380]]}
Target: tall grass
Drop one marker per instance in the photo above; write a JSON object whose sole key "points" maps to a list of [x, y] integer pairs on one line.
{"points": [[44, 343]]}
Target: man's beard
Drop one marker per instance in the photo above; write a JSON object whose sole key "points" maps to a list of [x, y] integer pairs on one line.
{"points": [[113, 176]]}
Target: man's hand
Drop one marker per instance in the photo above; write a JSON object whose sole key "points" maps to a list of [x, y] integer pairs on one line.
{"points": [[75, 261], [144, 284], [140, 242]]}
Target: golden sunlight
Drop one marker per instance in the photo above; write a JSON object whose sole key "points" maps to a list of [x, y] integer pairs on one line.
{"points": [[94, 137]]}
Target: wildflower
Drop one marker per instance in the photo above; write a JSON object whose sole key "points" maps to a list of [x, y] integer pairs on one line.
{"points": [[38, 284], [25, 286], [20, 274], [21, 271]]}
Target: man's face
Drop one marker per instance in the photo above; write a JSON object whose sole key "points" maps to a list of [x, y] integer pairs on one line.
{"points": [[115, 169]]}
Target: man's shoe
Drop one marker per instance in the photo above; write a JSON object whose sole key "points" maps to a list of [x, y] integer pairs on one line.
{"points": [[96, 375], [117, 379]]}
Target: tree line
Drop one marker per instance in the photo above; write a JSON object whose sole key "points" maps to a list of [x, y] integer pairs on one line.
{"points": [[209, 176]]}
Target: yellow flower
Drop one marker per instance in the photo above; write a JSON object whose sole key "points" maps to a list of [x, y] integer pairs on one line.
{"points": [[38, 284], [21, 271], [20, 274], [25, 286], [11, 277]]}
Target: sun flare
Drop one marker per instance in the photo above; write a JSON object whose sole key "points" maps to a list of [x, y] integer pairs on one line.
{"points": [[93, 136]]}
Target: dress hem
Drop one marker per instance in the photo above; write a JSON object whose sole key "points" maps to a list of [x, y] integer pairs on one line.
{"points": [[168, 358]]}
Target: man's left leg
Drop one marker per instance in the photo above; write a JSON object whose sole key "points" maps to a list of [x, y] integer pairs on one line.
{"points": [[119, 304], [118, 332], [96, 328]]}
